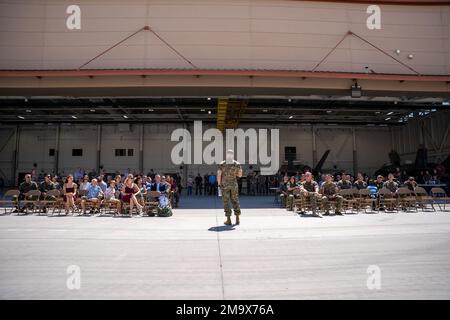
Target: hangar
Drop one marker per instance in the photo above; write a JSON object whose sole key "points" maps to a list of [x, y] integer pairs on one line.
{"points": [[98, 87]]}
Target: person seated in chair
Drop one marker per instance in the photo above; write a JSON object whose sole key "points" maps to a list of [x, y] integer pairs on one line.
{"points": [[360, 183], [344, 183], [110, 196], [94, 195], [130, 192], [283, 191], [158, 185], [329, 193], [391, 184], [70, 191], [310, 191], [291, 186], [44, 187], [411, 184], [24, 187]]}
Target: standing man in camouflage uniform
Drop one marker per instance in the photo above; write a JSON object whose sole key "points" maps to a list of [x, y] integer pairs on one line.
{"points": [[227, 174], [329, 192], [310, 191]]}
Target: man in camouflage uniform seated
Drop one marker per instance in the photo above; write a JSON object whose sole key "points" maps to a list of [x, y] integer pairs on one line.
{"points": [[329, 193], [310, 191], [227, 174], [291, 186], [283, 191]]}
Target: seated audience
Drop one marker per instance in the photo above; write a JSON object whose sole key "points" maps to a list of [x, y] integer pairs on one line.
{"points": [[44, 187], [411, 184], [69, 191], [110, 196], [360, 183], [391, 184], [329, 193], [94, 196], [129, 195], [310, 192]]}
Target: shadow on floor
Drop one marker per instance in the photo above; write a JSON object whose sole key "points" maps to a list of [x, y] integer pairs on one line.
{"points": [[221, 228], [215, 202]]}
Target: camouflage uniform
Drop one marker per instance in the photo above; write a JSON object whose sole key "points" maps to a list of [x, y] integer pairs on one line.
{"points": [[310, 187], [229, 187], [329, 193], [393, 186], [283, 194], [360, 185], [290, 195], [344, 184]]}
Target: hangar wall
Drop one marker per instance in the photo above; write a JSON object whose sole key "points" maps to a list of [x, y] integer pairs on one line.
{"points": [[372, 145], [35, 141], [431, 131]]}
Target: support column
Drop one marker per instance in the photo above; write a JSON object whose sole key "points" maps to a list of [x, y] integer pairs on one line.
{"points": [[314, 146], [421, 133], [392, 137], [57, 144], [141, 148], [16, 156], [355, 154], [99, 148]]}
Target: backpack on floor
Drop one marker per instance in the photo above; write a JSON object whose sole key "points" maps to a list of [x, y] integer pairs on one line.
{"points": [[164, 209]]}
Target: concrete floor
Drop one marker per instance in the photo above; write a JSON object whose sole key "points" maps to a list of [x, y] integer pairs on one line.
{"points": [[273, 254]]}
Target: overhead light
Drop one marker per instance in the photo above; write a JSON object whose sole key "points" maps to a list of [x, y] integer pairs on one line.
{"points": [[387, 119], [265, 110], [445, 103], [209, 111], [398, 51], [433, 110], [20, 117], [74, 117], [202, 110], [290, 117], [389, 113], [356, 91], [410, 56], [28, 110], [329, 111], [209, 98], [151, 110], [125, 117], [26, 99], [92, 110], [377, 112], [289, 100]]}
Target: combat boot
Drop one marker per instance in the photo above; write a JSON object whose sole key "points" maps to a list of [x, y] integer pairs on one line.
{"points": [[237, 220], [228, 221]]}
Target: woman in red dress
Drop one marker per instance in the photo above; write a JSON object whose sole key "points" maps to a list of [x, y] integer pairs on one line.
{"points": [[70, 191], [129, 192]]}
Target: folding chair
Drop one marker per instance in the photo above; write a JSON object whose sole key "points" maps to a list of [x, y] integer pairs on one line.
{"points": [[406, 199], [440, 197], [53, 201], [151, 202], [350, 201], [387, 200], [297, 200], [366, 201], [32, 201], [423, 199], [10, 198]]}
